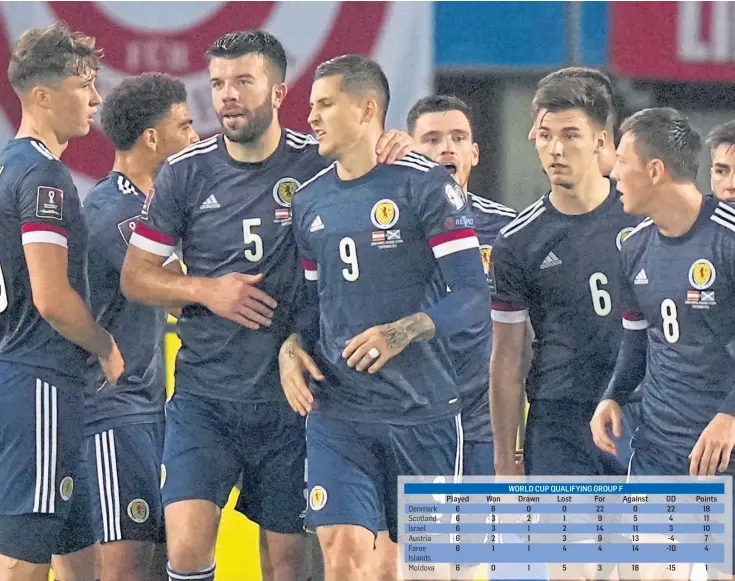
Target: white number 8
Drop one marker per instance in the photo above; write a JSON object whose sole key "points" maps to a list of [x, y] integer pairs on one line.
{"points": [[601, 300], [348, 254], [671, 324]]}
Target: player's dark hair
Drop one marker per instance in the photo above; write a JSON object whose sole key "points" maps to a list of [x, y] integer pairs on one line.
{"points": [[593, 75], [721, 134], [565, 93], [437, 104], [236, 44], [664, 133], [49, 55], [137, 104], [360, 76]]}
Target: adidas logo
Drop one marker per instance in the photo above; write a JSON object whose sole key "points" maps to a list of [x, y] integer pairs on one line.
{"points": [[641, 277], [550, 260], [210, 203], [317, 224]]}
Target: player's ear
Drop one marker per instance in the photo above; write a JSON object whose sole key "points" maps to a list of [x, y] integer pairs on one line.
{"points": [[40, 95], [656, 171], [370, 109], [150, 138], [279, 91], [601, 141], [475, 154]]}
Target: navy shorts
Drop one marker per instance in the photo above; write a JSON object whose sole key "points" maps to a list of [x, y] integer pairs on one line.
{"points": [[40, 442], [124, 468], [354, 467], [210, 444], [77, 532], [559, 441]]}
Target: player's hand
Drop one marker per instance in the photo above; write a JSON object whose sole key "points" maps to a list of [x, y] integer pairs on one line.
{"points": [[714, 447], [112, 365], [293, 363], [393, 145], [234, 296], [607, 412], [373, 348]]}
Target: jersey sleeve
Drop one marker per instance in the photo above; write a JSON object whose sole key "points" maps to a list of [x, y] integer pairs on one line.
{"points": [[110, 234], [507, 279], [162, 221], [633, 318], [446, 217], [306, 321], [47, 202]]}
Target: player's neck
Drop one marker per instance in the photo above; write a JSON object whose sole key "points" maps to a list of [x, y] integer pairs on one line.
{"points": [[677, 210], [31, 127], [257, 150], [359, 158], [584, 197], [136, 167]]}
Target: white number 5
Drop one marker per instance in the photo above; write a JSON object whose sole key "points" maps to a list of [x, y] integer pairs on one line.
{"points": [[3, 293], [600, 297], [348, 254], [250, 237]]}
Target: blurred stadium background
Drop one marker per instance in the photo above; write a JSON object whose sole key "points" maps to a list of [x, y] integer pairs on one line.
{"points": [[489, 53]]}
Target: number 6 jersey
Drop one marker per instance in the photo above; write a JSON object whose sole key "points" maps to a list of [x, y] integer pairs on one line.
{"points": [[230, 217], [563, 271], [682, 291]]}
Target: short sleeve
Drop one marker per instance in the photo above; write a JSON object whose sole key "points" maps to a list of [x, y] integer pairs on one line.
{"points": [[308, 260], [162, 220], [110, 232], [47, 202], [508, 281], [633, 318], [445, 214]]}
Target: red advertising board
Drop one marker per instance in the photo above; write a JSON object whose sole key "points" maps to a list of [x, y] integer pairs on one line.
{"points": [[678, 41], [172, 37]]}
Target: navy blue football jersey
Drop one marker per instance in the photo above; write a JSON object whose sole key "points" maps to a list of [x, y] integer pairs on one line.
{"points": [[38, 203], [471, 349], [373, 246], [230, 217], [563, 272], [112, 211], [682, 290]]}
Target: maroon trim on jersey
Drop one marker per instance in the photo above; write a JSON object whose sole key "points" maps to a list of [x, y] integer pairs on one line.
{"points": [[451, 236], [510, 307], [154, 235], [43, 227], [308, 264], [633, 316]]}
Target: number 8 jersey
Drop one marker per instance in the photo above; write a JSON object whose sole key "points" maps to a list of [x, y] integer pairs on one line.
{"points": [[682, 291], [563, 272], [230, 217]]}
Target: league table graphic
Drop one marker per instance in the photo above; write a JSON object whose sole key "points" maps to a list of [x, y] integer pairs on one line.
{"points": [[518, 528]]}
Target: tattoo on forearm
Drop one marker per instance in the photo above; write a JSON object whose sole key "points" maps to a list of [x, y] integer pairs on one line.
{"points": [[418, 327], [395, 336]]}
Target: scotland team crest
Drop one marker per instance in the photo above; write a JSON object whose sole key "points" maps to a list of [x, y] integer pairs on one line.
{"points": [[284, 190], [384, 214], [702, 274]]}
